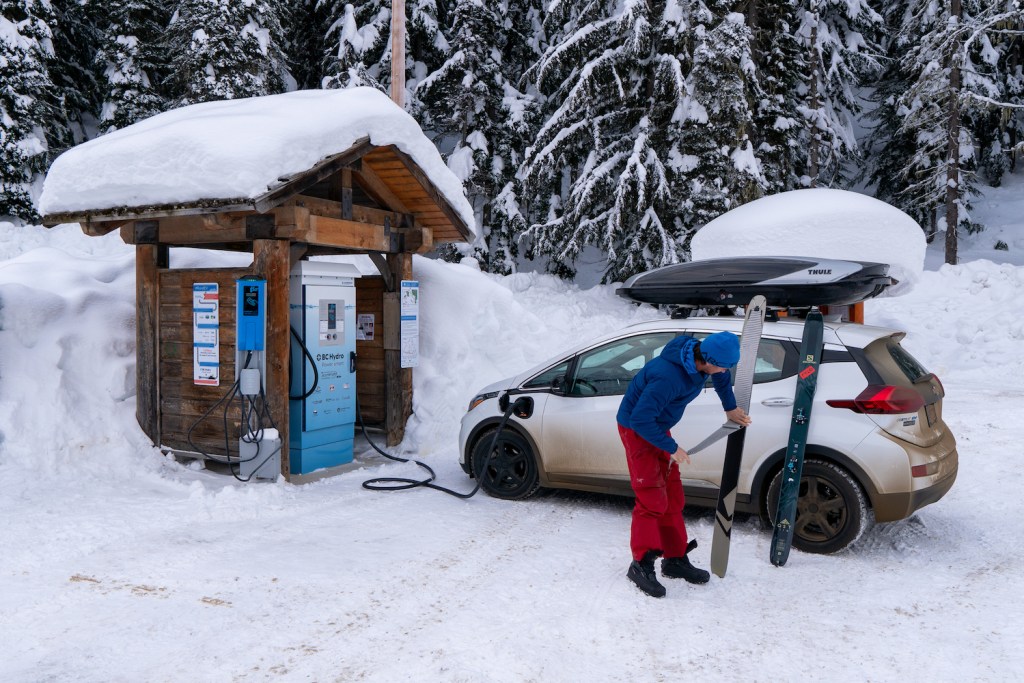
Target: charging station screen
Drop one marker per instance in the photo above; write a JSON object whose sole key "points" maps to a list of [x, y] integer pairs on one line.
{"points": [[332, 316], [250, 300]]}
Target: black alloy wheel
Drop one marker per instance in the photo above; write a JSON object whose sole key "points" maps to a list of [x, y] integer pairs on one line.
{"points": [[831, 510], [510, 470]]}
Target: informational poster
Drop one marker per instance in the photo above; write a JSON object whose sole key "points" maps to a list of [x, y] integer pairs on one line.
{"points": [[410, 313], [206, 333], [364, 326]]}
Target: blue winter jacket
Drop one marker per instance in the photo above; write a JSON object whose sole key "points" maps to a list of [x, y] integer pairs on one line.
{"points": [[660, 392]]}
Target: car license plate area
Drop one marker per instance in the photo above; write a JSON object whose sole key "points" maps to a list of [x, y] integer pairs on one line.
{"points": [[931, 414]]}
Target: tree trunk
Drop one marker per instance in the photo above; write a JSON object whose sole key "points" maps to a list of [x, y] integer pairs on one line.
{"points": [[813, 154], [953, 140]]}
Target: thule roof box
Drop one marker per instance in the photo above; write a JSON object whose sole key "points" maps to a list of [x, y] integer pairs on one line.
{"points": [[786, 282]]}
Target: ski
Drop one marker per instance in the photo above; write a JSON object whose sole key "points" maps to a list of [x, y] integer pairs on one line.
{"points": [[750, 340], [806, 383]]}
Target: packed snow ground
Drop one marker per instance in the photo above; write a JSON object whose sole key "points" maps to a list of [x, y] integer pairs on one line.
{"points": [[120, 564]]}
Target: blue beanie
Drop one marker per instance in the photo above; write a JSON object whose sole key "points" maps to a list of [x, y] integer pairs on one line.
{"points": [[721, 349]]}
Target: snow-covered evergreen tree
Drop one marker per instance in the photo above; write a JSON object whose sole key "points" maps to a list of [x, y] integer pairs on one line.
{"points": [[31, 109], [131, 63], [603, 165], [358, 44], [841, 40], [304, 28], [471, 108], [779, 134], [73, 67], [937, 107], [225, 49], [720, 167]]}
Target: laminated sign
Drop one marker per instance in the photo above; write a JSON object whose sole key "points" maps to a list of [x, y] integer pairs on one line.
{"points": [[410, 303], [206, 334]]}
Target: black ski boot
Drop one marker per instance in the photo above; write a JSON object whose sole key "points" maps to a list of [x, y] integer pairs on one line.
{"points": [[680, 568], [643, 575]]}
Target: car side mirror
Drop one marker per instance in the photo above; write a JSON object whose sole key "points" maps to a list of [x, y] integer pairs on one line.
{"points": [[558, 385]]}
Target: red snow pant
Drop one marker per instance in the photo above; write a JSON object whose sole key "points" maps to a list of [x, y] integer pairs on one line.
{"points": [[658, 512]]}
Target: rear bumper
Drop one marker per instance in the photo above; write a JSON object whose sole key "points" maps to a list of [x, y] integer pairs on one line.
{"points": [[943, 457]]}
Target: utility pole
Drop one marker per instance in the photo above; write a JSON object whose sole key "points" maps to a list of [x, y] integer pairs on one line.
{"points": [[398, 52]]}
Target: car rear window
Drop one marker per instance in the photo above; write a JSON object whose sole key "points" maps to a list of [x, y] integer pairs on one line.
{"points": [[907, 363], [889, 363]]}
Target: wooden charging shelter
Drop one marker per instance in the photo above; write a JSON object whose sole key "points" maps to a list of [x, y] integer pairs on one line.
{"points": [[366, 200]]}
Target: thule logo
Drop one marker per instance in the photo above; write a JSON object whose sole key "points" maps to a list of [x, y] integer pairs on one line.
{"points": [[819, 271]]}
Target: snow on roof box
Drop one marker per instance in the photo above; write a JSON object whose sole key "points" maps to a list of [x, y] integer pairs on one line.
{"points": [[783, 281], [819, 223], [236, 149]]}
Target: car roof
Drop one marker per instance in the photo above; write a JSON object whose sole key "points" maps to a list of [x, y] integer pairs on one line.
{"points": [[845, 334]]}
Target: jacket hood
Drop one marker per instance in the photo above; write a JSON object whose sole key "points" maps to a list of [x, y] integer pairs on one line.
{"points": [[679, 352]]}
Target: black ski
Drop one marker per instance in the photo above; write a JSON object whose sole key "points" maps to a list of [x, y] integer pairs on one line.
{"points": [[753, 323], [806, 382]]}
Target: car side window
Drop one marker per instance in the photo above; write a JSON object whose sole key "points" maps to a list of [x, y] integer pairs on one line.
{"points": [[608, 369], [544, 379], [771, 360]]}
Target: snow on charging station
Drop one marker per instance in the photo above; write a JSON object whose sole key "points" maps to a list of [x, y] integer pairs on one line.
{"points": [[297, 342]]}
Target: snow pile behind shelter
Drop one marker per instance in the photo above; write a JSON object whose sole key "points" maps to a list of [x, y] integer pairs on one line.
{"points": [[819, 223], [236, 149]]}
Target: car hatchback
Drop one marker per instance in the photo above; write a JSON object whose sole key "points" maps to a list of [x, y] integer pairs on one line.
{"points": [[877, 450]]}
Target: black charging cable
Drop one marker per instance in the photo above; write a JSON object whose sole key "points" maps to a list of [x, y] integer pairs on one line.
{"points": [[312, 363], [402, 483], [252, 417]]}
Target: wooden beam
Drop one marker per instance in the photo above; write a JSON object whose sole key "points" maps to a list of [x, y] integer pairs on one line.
{"points": [[272, 262], [147, 334], [397, 380], [434, 194], [336, 232], [333, 209], [374, 186], [213, 228], [419, 240], [307, 179]]}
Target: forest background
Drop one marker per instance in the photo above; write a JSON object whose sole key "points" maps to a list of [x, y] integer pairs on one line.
{"points": [[612, 129]]}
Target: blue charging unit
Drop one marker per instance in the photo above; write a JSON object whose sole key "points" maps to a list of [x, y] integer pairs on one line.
{"points": [[251, 314], [322, 303]]}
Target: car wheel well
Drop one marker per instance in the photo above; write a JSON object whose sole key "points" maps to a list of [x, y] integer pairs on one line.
{"points": [[772, 466], [485, 430]]}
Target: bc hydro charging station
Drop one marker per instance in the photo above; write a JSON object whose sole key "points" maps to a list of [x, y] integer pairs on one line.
{"points": [[323, 370]]}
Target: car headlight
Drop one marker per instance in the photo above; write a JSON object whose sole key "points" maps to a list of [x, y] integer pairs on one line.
{"points": [[480, 398]]}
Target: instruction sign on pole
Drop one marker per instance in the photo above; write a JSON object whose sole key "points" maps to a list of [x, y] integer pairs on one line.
{"points": [[410, 303], [206, 333]]}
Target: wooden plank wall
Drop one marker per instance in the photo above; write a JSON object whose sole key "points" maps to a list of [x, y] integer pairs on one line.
{"points": [[370, 387], [181, 401]]}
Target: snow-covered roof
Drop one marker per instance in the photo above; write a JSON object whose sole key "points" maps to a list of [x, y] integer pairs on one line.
{"points": [[236, 150], [821, 223]]}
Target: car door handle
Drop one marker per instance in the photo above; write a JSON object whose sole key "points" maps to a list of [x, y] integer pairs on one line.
{"points": [[778, 402]]}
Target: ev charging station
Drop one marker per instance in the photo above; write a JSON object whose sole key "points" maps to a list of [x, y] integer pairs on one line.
{"points": [[259, 447], [322, 304]]}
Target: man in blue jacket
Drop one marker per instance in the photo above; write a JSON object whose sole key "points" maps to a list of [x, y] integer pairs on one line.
{"points": [[653, 404]]}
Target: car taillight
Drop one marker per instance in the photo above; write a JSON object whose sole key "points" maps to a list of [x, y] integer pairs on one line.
{"points": [[879, 399]]}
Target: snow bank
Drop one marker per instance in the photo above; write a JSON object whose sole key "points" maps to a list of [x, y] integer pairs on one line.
{"points": [[235, 149], [822, 223], [962, 320]]}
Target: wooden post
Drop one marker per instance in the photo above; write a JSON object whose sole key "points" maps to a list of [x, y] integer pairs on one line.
{"points": [[398, 52], [397, 380], [147, 335], [272, 261]]}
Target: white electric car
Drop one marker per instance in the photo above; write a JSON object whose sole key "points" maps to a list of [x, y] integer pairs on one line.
{"points": [[877, 449]]}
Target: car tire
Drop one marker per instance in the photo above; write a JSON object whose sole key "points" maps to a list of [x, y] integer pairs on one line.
{"points": [[832, 510], [512, 473]]}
